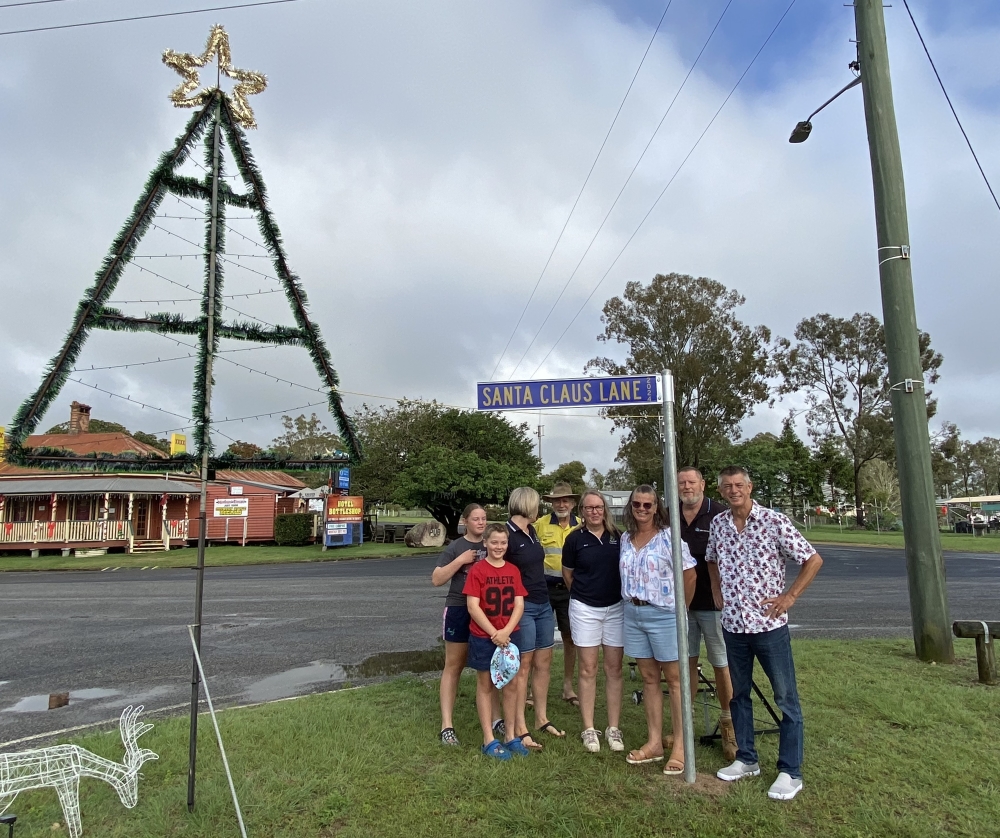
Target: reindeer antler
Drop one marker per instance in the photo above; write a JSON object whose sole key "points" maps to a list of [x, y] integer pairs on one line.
{"points": [[131, 731]]}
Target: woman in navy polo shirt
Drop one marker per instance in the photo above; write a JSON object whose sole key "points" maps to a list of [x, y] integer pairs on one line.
{"points": [[596, 614], [537, 626]]}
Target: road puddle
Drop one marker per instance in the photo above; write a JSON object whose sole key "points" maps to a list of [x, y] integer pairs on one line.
{"points": [[289, 682], [40, 703], [396, 663], [318, 674]]}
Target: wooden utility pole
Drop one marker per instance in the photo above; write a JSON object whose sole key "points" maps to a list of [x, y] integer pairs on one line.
{"points": [[924, 561]]}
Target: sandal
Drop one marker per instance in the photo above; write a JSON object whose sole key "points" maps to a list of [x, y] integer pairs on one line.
{"points": [[530, 743], [674, 766], [572, 700], [643, 758], [552, 730], [496, 750], [529, 701]]}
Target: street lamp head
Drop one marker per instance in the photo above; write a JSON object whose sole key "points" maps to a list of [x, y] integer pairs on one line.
{"points": [[801, 132]]}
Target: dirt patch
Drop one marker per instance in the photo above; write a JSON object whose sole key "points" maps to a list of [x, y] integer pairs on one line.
{"points": [[706, 785]]}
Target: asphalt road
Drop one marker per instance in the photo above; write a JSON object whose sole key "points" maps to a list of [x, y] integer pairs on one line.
{"points": [[271, 631]]}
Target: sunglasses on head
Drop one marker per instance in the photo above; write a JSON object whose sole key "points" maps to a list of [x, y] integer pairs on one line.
{"points": [[642, 504]]}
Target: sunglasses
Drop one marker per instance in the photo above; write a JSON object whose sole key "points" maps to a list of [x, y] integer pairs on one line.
{"points": [[642, 504]]}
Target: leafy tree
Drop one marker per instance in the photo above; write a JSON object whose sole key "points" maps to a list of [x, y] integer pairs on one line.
{"points": [[841, 365], [834, 470], [782, 468], [244, 450], [442, 459], [985, 456], [306, 438], [880, 485], [720, 365], [945, 445], [159, 443], [97, 426], [615, 480], [573, 472]]}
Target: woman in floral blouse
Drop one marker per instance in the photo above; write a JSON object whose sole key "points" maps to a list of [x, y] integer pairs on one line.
{"points": [[650, 619]]}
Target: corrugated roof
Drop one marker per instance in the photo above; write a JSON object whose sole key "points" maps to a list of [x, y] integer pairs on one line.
{"points": [[278, 479], [107, 443], [81, 485]]}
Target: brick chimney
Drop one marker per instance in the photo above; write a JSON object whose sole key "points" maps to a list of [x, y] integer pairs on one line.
{"points": [[79, 418]]}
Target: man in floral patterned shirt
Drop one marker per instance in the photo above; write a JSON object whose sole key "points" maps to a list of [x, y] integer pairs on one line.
{"points": [[747, 550]]}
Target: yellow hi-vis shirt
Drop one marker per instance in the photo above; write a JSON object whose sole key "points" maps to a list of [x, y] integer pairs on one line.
{"points": [[553, 536]]}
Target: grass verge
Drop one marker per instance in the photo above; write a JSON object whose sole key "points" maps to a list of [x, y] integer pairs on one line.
{"points": [[949, 541], [893, 748], [221, 555]]}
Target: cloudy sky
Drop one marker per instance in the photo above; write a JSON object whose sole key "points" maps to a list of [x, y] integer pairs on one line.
{"points": [[422, 159]]}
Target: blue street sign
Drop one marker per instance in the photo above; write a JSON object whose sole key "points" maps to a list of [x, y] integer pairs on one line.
{"points": [[568, 392]]}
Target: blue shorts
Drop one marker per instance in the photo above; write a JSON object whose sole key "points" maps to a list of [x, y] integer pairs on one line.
{"points": [[481, 651], [537, 627], [455, 624], [650, 632]]}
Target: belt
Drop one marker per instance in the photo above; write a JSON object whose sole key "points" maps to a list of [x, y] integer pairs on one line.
{"points": [[635, 601]]}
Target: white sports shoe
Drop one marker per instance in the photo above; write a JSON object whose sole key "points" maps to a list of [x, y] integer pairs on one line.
{"points": [[614, 737], [738, 770], [590, 740], [784, 788]]}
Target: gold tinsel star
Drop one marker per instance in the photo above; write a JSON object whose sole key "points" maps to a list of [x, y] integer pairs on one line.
{"points": [[187, 64]]}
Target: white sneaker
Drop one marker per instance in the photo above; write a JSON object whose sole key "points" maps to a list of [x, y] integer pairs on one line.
{"points": [[738, 770], [590, 740], [614, 737], [784, 788]]}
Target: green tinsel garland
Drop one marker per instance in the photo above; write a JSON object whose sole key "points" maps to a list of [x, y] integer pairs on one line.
{"points": [[30, 413], [92, 312]]}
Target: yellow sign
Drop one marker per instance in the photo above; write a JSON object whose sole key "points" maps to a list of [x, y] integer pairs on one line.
{"points": [[3, 441], [345, 510], [232, 507], [178, 444]]}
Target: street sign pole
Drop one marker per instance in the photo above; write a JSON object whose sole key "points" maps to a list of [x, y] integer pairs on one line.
{"points": [[680, 600]]}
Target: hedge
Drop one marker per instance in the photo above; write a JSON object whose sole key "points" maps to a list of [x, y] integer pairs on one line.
{"points": [[293, 529]]}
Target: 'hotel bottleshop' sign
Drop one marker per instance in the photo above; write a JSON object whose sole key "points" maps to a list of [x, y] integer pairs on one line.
{"points": [[569, 392]]}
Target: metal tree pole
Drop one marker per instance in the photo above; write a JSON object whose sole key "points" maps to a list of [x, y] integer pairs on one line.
{"points": [[209, 350], [924, 561], [680, 600]]}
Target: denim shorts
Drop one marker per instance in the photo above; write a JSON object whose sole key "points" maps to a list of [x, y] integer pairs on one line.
{"points": [[481, 650], [650, 632], [707, 624], [455, 624], [537, 627]]}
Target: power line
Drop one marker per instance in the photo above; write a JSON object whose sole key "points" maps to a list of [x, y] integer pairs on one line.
{"points": [[586, 180], [604, 221], [954, 113], [144, 17], [665, 188], [29, 3]]}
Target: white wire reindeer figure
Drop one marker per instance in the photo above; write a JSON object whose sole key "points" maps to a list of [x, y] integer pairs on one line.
{"points": [[62, 766]]}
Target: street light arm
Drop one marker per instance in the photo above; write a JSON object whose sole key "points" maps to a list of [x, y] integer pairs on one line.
{"points": [[836, 95]]}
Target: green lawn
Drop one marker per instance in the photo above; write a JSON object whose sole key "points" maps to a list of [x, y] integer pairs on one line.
{"points": [[826, 534], [893, 748], [221, 555]]}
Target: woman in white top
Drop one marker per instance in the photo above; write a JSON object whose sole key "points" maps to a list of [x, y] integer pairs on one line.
{"points": [[650, 619]]}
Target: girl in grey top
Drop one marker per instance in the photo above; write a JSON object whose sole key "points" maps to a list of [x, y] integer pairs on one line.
{"points": [[453, 566]]}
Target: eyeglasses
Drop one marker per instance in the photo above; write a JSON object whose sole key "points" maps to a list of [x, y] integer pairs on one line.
{"points": [[594, 508], [641, 504]]}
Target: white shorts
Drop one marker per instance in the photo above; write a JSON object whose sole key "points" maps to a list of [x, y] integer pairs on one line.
{"points": [[597, 626]]}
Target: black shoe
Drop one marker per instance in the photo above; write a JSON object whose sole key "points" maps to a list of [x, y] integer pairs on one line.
{"points": [[448, 737], [500, 730]]}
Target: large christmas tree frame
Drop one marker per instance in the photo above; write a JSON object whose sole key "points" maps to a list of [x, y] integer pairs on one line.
{"points": [[214, 118]]}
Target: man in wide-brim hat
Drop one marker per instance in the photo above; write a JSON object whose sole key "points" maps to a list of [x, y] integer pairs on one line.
{"points": [[552, 531]]}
